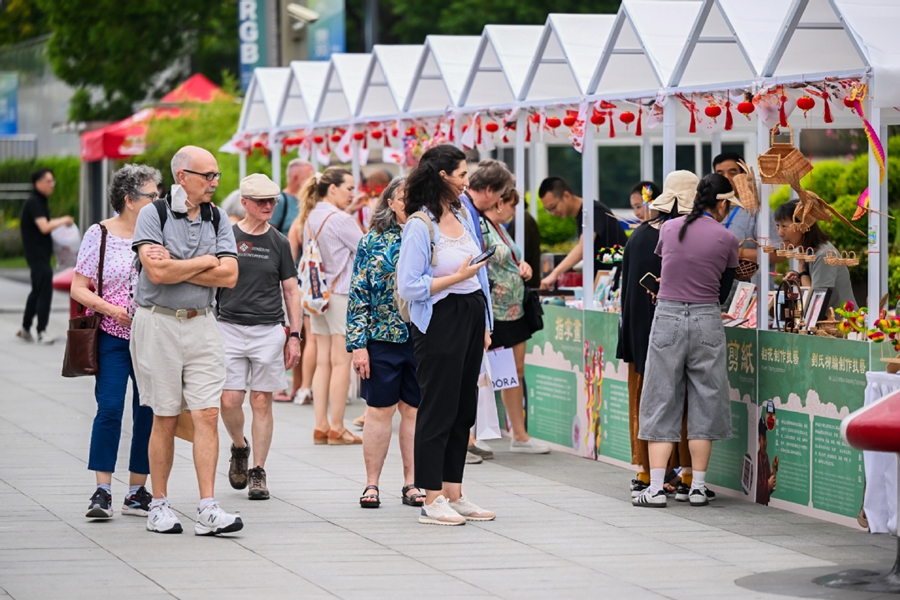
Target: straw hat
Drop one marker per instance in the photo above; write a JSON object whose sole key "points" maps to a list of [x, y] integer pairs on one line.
{"points": [[680, 187]]}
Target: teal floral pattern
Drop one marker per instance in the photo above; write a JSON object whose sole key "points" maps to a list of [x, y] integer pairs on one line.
{"points": [[507, 285], [372, 313]]}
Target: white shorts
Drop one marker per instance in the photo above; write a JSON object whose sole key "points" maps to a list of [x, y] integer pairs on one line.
{"points": [[257, 351], [177, 361], [334, 321]]}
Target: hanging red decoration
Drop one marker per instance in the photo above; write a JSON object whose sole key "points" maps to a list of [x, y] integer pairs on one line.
{"points": [[553, 122], [607, 105], [746, 108], [782, 113], [394, 132], [612, 125], [376, 134], [359, 136], [411, 132], [492, 127], [598, 119], [713, 111], [536, 118], [638, 132], [335, 137], [318, 139], [729, 119], [627, 117], [849, 103], [806, 104], [693, 109], [569, 121], [828, 117]]}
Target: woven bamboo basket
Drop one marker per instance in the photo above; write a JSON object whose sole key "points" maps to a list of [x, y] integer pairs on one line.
{"points": [[746, 269], [780, 157], [829, 326], [784, 250], [745, 187], [806, 254], [832, 258], [849, 259]]}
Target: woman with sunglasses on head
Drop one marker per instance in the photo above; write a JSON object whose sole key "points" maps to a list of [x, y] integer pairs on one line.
{"points": [[687, 340], [131, 189], [323, 203], [450, 310]]}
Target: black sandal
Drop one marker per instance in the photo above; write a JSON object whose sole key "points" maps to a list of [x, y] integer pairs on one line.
{"points": [[366, 501], [415, 499]]}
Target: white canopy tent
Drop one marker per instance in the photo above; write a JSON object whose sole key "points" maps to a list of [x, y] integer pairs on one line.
{"points": [[388, 81], [301, 99], [441, 74], [502, 62], [344, 80], [261, 107]]}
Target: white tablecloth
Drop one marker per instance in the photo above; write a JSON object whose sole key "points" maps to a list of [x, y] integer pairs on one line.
{"points": [[881, 467]]}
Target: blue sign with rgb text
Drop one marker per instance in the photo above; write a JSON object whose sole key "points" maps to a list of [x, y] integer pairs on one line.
{"points": [[252, 38], [9, 103]]}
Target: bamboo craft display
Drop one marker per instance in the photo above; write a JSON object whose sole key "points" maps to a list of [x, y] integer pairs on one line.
{"points": [[780, 158], [745, 187], [746, 269]]}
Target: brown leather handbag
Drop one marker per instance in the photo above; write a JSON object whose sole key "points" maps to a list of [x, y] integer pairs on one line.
{"points": [[81, 358]]}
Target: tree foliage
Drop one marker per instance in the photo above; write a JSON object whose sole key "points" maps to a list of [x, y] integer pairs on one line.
{"points": [[416, 19], [117, 54], [21, 20]]}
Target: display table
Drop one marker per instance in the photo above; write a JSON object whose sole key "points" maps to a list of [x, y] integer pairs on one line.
{"points": [[881, 467]]}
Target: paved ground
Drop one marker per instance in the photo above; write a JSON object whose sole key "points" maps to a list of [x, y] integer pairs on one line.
{"points": [[565, 530]]}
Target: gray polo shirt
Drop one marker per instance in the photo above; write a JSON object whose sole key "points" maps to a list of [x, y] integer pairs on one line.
{"points": [[183, 239]]}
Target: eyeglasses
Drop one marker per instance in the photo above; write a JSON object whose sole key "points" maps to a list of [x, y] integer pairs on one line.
{"points": [[152, 195], [211, 176], [263, 201]]}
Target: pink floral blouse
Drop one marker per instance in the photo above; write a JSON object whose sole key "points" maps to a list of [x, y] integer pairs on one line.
{"points": [[119, 274]]}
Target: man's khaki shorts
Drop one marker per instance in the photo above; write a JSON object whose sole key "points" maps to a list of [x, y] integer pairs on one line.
{"points": [[175, 358], [334, 321]]}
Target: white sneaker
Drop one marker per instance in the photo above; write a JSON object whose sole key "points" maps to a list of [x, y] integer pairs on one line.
{"points": [[473, 459], [657, 500], [212, 520], [161, 518], [303, 396], [471, 511], [25, 336], [440, 513], [532, 446]]}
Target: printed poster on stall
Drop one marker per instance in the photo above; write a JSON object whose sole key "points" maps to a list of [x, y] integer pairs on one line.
{"points": [[554, 380], [606, 387], [807, 385]]}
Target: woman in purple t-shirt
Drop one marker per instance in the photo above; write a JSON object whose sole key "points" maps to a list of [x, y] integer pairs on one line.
{"points": [[687, 340]]}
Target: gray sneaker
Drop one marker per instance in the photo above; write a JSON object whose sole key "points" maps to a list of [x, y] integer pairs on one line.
{"points": [[482, 449], [473, 459]]}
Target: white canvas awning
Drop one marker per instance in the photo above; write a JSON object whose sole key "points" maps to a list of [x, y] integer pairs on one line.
{"points": [[301, 98], [501, 64], [880, 43], [441, 74], [343, 86], [264, 96], [664, 27], [388, 81], [567, 56]]}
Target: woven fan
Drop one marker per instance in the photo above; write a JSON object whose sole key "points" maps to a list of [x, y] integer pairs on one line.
{"points": [[745, 186], [810, 207]]}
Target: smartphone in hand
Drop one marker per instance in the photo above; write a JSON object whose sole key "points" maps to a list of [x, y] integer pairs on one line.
{"points": [[650, 283], [483, 256]]}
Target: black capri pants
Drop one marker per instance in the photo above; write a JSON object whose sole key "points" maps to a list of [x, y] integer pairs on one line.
{"points": [[449, 360]]}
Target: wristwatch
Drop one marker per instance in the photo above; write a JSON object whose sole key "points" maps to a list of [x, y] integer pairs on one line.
{"points": [[295, 334]]}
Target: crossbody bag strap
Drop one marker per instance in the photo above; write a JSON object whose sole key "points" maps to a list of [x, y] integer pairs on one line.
{"points": [[506, 241]]}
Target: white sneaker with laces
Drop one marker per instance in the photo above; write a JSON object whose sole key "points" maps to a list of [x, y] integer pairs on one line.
{"points": [[212, 520], [645, 498], [161, 518], [471, 511], [532, 446], [440, 513]]}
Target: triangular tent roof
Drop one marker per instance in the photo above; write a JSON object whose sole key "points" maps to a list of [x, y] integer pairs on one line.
{"points": [[263, 100], [196, 88], [567, 56], [756, 24], [441, 74], [880, 42], [301, 98], [343, 85], [714, 54], [664, 27], [815, 25], [501, 64], [388, 81], [624, 65]]}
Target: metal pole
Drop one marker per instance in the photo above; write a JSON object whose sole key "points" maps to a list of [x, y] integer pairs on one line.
{"points": [[104, 185], [878, 232], [275, 149], [242, 165], [354, 162], [535, 182], [698, 157], [519, 161], [762, 231], [646, 158], [669, 136], [371, 33], [589, 193], [716, 145]]}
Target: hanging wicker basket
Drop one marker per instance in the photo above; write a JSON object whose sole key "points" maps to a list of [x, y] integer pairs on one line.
{"points": [[746, 269], [782, 157], [849, 259], [745, 187], [832, 258]]}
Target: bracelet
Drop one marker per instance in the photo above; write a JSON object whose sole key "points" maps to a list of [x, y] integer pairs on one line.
{"points": [[295, 334]]}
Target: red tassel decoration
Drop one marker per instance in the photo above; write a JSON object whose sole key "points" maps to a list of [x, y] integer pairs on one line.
{"points": [[639, 131], [782, 116], [528, 133], [693, 128], [828, 117], [478, 124], [729, 120], [612, 128]]}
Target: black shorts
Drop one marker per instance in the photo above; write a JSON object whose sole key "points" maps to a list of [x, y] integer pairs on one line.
{"points": [[507, 334], [392, 375]]}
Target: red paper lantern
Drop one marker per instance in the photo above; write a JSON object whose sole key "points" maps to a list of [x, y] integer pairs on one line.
{"points": [[491, 127], [553, 122], [318, 139], [746, 108], [535, 118], [335, 137], [598, 119], [805, 103], [394, 132], [712, 111], [257, 144], [376, 134], [569, 121], [627, 117], [359, 136]]}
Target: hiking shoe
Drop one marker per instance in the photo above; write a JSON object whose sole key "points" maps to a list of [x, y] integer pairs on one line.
{"points": [[440, 513], [25, 335], [237, 471], [212, 520], [482, 449], [638, 486], [258, 489], [532, 446], [645, 498], [682, 492], [100, 506], [698, 497], [138, 503], [161, 518], [473, 459], [471, 511]]}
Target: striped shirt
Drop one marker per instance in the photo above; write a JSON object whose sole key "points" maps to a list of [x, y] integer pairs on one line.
{"points": [[338, 242]]}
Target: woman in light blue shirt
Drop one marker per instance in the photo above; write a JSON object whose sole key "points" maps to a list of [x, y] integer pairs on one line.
{"points": [[450, 310]]}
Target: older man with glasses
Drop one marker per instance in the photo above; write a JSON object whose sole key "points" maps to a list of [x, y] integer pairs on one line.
{"points": [[252, 321], [176, 344]]}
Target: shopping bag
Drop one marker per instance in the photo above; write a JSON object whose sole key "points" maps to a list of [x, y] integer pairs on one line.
{"points": [[487, 421]]}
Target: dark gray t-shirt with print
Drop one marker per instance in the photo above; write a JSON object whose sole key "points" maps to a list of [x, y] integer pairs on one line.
{"points": [[264, 261]]}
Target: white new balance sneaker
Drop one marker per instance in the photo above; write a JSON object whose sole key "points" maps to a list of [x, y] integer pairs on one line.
{"points": [[471, 511], [440, 513], [161, 518], [212, 520]]}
